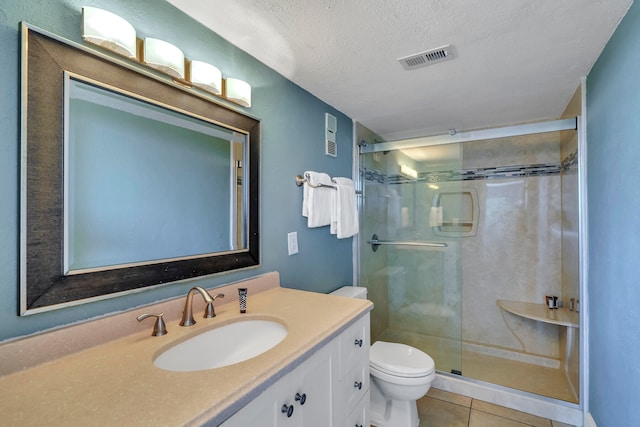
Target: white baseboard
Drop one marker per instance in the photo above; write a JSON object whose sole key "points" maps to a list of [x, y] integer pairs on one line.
{"points": [[589, 421]]}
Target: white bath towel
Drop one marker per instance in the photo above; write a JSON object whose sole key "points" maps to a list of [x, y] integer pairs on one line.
{"points": [[344, 212], [316, 203], [435, 216]]}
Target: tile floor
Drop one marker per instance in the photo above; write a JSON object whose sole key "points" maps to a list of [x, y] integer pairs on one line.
{"points": [[443, 409]]}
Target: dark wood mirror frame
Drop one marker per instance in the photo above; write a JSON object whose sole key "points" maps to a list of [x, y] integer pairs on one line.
{"points": [[44, 287]]}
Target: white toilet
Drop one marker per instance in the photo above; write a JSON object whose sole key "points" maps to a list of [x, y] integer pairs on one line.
{"points": [[400, 375]]}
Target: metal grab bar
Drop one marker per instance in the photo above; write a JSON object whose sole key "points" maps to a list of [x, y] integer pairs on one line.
{"points": [[374, 242]]}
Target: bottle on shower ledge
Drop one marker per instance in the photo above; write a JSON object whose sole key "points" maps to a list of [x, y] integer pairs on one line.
{"points": [[549, 301]]}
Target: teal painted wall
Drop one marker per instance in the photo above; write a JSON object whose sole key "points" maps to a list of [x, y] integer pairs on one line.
{"points": [[613, 132], [292, 137]]}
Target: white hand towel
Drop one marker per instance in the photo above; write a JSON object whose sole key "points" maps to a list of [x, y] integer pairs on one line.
{"points": [[316, 203], [344, 212]]}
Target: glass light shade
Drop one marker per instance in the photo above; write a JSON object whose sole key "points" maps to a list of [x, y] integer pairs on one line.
{"points": [[164, 57], [109, 31], [408, 171], [206, 77], [239, 91]]}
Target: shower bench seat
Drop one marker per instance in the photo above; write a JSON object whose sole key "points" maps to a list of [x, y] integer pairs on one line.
{"points": [[540, 312]]}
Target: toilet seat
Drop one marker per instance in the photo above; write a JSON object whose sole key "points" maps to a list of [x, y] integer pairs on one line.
{"points": [[401, 381], [400, 360]]}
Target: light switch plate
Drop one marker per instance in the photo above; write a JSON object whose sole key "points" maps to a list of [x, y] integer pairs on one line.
{"points": [[292, 240]]}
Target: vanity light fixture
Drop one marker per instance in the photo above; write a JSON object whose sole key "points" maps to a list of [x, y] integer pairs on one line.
{"points": [[164, 57], [238, 91], [206, 77], [108, 31]]}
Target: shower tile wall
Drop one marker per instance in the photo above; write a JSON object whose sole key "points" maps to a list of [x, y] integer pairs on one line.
{"points": [[516, 254]]}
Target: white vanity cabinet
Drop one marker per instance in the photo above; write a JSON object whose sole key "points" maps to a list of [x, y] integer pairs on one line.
{"points": [[331, 388]]}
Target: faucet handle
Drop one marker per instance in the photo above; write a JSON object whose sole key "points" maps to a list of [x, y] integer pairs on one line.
{"points": [[159, 328], [209, 311]]}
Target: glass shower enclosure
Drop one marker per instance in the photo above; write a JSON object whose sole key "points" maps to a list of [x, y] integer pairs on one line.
{"points": [[463, 238]]}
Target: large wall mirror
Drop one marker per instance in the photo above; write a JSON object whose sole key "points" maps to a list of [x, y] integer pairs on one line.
{"points": [[128, 179]]}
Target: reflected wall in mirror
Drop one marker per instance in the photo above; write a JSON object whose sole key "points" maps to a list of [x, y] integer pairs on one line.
{"points": [[128, 179]]}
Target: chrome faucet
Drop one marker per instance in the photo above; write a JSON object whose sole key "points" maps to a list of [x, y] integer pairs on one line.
{"points": [[187, 313]]}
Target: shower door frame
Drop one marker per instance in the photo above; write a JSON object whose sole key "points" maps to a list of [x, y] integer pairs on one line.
{"points": [[520, 399], [454, 137]]}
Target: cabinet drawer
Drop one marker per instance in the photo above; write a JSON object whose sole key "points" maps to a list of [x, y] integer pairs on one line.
{"points": [[355, 385], [354, 345], [359, 417]]}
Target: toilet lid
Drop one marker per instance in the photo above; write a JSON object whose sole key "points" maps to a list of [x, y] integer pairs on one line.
{"points": [[400, 360]]}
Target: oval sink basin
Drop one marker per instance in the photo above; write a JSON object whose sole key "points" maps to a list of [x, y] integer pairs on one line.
{"points": [[223, 346]]}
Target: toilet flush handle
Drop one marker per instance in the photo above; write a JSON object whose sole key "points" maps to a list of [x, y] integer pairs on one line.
{"points": [[358, 342], [358, 385]]}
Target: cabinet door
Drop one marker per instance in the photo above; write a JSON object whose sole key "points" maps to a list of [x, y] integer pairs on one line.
{"points": [[353, 378], [355, 385], [308, 394], [354, 345], [288, 411], [261, 411], [302, 398], [315, 382]]}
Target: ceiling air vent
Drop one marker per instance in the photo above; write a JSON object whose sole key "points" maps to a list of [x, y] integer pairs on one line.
{"points": [[427, 58]]}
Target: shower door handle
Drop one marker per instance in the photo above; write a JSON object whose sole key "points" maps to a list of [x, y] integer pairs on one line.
{"points": [[375, 242]]}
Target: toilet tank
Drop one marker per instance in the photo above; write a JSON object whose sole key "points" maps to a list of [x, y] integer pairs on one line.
{"points": [[351, 292]]}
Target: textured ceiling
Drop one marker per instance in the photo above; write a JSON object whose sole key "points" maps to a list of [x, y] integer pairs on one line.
{"points": [[516, 61]]}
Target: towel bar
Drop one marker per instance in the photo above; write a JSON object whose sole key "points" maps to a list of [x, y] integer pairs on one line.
{"points": [[300, 180]]}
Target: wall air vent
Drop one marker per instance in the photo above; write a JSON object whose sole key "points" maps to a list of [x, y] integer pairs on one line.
{"points": [[428, 57], [330, 130]]}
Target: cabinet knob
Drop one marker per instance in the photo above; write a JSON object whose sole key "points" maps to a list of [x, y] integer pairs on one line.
{"points": [[358, 342], [301, 398], [358, 385], [287, 409]]}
